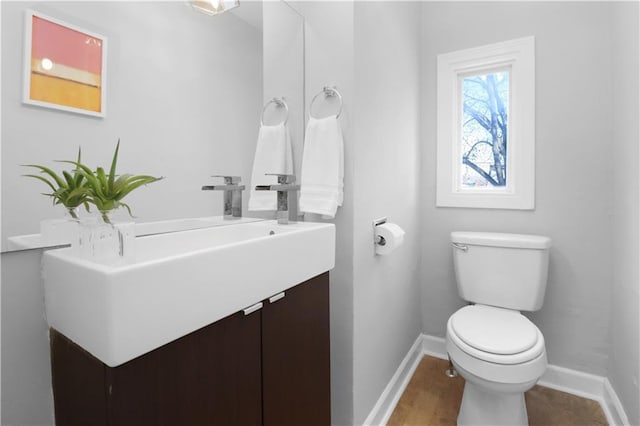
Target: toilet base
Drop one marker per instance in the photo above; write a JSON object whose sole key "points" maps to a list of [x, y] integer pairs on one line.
{"points": [[484, 407]]}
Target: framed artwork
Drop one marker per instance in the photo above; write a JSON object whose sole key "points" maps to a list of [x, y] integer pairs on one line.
{"points": [[64, 66]]}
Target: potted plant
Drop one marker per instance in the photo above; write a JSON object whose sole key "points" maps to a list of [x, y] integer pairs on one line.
{"points": [[106, 191], [69, 190], [83, 186]]}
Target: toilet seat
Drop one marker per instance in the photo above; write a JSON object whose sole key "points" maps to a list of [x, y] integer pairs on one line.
{"points": [[495, 335]]}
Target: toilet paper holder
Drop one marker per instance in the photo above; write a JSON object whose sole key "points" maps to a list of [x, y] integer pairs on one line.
{"points": [[377, 239]]}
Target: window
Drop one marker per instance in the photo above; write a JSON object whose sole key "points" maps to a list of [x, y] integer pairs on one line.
{"points": [[486, 126], [485, 123]]}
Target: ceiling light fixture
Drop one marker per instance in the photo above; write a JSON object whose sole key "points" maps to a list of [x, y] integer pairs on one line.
{"points": [[214, 7]]}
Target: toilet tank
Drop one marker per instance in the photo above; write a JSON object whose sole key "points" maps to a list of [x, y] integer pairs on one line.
{"points": [[504, 270]]}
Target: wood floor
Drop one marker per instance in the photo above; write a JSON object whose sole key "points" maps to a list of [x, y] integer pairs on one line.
{"points": [[432, 398]]}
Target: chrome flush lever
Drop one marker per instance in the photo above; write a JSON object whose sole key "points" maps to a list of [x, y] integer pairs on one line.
{"points": [[460, 246]]}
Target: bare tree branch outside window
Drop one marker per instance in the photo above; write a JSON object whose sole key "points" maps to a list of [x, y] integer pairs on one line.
{"points": [[484, 130]]}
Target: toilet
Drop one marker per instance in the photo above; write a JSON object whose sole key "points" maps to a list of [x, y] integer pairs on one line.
{"points": [[496, 349]]}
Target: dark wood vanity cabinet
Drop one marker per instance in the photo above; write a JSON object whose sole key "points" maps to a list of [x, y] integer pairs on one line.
{"points": [[295, 356], [270, 367]]}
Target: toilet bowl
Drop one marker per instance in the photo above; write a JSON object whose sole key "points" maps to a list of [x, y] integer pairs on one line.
{"points": [[501, 355], [497, 350]]}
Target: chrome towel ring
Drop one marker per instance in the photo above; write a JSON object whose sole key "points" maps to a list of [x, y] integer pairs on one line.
{"points": [[328, 92], [279, 103]]}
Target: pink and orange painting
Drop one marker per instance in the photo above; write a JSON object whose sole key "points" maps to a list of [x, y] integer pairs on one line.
{"points": [[65, 66]]}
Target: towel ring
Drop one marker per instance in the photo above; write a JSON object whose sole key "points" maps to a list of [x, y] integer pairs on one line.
{"points": [[329, 92], [279, 103]]}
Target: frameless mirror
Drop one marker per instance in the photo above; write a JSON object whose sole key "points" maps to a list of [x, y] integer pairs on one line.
{"points": [[184, 94]]}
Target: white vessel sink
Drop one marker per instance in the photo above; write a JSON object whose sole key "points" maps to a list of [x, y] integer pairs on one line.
{"points": [[178, 283]]}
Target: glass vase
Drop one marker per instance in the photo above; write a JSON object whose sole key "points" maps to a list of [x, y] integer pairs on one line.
{"points": [[104, 240], [62, 230]]}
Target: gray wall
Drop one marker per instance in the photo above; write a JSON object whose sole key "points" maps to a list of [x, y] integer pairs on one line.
{"points": [[573, 168], [386, 166], [374, 300], [625, 291], [27, 398]]}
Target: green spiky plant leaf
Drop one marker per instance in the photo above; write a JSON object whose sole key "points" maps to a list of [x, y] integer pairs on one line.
{"points": [[106, 191], [70, 190]]}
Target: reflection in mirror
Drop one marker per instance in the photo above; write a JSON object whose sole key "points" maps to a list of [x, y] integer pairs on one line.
{"points": [[184, 94]]}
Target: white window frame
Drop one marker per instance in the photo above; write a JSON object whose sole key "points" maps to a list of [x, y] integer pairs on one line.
{"points": [[517, 56]]}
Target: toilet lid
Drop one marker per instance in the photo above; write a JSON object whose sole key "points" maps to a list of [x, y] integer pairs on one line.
{"points": [[494, 330]]}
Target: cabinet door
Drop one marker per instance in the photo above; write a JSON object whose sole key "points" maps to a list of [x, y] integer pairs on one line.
{"points": [[295, 351], [79, 393], [209, 377]]}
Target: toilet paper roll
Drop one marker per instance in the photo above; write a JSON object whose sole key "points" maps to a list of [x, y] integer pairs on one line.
{"points": [[393, 238]]}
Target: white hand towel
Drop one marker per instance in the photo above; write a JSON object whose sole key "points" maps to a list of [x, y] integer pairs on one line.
{"points": [[321, 185], [273, 155]]}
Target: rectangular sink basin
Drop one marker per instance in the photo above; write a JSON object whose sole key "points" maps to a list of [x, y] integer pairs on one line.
{"points": [[31, 241], [178, 283], [186, 224]]}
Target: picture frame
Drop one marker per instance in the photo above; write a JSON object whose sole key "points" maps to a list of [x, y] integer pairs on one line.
{"points": [[65, 66]]}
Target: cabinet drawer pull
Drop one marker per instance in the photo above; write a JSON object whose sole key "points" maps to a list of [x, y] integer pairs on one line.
{"points": [[276, 297], [253, 308]]}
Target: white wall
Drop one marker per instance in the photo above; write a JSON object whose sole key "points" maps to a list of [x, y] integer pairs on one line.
{"points": [[174, 89], [386, 176], [625, 291], [573, 168]]}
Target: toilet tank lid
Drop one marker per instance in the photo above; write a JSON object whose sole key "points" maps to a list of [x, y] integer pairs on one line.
{"points": [[495, 239]]}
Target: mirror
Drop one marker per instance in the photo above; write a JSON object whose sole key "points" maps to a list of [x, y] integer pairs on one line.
{"points": [[184, 94]]}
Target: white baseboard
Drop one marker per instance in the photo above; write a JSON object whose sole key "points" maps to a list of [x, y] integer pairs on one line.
{"points": [[612, 406], [434, 346], [563, 379], [391, 395], [588, 386]]}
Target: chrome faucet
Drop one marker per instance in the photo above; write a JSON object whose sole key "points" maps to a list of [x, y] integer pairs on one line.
{"points": [[232, 193], [284, 188]]}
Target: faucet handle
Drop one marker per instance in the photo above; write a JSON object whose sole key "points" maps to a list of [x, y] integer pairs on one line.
{"points": [[229, 180], [283, 178]]}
